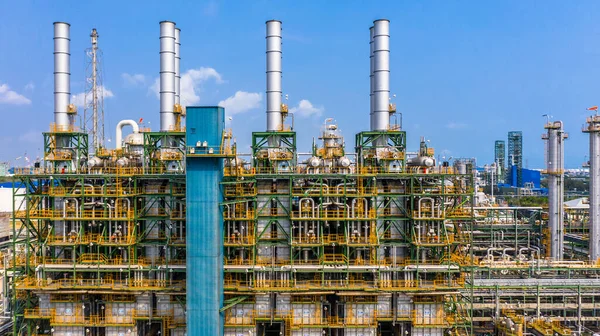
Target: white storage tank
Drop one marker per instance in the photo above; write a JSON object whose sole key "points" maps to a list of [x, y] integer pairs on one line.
{"points": [[360, 313], [262, 305], [239, 331], [360, 332], [120, 331], [308, 332], [384, 305], [306, 313], [404, 306], [68, 331], [427, 332], [240, 314], [428, 314], [143, 306]]}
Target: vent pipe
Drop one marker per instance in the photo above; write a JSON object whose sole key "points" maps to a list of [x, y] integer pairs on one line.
{"points": [[381, 73], [555, 170], [593, 128], [177, 70], [62, 73], [167, 76], [371, 76], [274, 116]]}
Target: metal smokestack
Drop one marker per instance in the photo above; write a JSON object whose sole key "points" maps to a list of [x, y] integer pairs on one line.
{"points": [[381, 72], [555, 171], [274, 116], [62, 73], [167, 75], [177, 70], [371, 76], [593, 128]]}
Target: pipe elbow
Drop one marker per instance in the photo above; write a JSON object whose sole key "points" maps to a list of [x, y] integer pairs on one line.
{"points": [[119, 131]]}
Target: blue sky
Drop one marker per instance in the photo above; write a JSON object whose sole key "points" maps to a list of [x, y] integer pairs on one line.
{"points": [[464, 72]]}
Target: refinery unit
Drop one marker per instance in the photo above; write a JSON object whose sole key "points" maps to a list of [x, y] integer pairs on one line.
{"points": [[174, 233]]}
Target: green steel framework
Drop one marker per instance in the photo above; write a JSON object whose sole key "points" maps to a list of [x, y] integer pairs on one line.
{"points": [[264, 198], [120, 238]]}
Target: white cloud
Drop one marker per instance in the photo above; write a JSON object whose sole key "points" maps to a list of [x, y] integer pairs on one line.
{"points": [[190, 81], [133, 80], [306, 109], [211, 8], [31, 137], [30, 86], [79, 99], [8, 96], [455, 125], [241, 102]]}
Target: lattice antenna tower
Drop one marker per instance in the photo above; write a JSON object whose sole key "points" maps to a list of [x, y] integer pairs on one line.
{"points": [[93, 112]]}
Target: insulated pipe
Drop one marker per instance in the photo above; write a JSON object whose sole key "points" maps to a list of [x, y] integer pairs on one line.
{"points": [[274, 117], [371, 76], [120, 125], [381, 73], [177, 70], [62, 73], [167, 75]]}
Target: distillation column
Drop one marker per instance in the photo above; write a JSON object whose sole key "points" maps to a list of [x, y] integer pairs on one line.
{"points": [[593, 128], [555, 171]]}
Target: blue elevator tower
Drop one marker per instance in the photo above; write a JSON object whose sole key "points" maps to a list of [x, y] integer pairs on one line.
{"points": [[204, 229]]}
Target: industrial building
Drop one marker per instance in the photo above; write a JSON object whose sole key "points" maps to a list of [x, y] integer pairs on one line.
{"points": [[174, 232]]}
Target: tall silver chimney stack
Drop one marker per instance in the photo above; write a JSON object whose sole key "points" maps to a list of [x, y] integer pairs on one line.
{"points": [[167, 75], [371, 76], [274, 116], [177, 70], [62, 73], [381, 72]]}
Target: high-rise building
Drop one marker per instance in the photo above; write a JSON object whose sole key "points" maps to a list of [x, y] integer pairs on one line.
{"points": [[500, 160], [515, 158]]}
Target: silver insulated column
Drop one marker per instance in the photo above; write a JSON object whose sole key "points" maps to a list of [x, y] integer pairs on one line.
{"points": [[274, 117], [555, 171], [177, 70], [62, 74], [167, 75], [371, 76], [381, 72], [593, 128]]}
